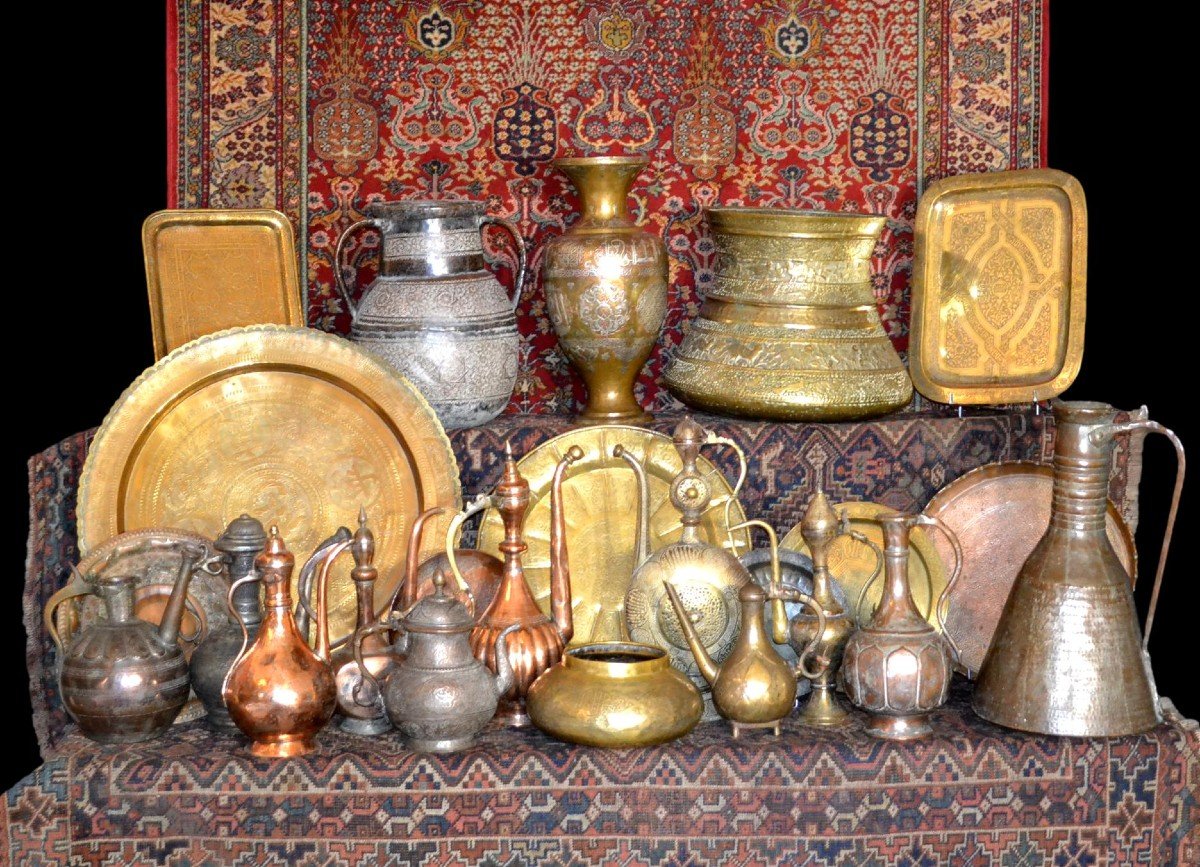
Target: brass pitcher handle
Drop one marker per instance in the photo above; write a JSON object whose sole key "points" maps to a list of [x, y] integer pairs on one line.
{"points": [[77, 586], [337, 261], [712, 439], [519, 243], [363, 674], [940, 610], [245, 579], [477, 505], [863, 540], [1143, 424], [791, 594]]}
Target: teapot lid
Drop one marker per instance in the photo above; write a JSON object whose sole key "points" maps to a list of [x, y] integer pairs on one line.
{"points": [[439, 612]]}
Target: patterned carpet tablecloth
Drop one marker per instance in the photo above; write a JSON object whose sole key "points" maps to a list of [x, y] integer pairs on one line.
{"points": [[970, 794]]}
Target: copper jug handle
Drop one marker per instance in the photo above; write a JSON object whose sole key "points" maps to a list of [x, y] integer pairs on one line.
{"points": [[77, 586], [940, 610], [712, 439], [245, 579], [339, 280], [519, 243], [1144, 424], [386, 625]]}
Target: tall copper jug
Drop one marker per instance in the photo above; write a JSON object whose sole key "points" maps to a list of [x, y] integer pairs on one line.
{"points": [[1067, 657]]}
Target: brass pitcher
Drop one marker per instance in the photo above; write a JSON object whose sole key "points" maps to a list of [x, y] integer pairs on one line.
{"points": [[279, 692], [122, 679], [819, 527], [754, 687], [897, 667], [539, 641], [1067, 657]]}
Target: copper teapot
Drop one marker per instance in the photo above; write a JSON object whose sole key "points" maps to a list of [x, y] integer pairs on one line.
{"points": [[122, 679], [539, 642]]}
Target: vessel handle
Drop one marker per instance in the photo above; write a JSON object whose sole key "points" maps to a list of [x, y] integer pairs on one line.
{"points": [[386, 625], [481, 502], [712, 439], [519, 243], [802, 670], [940, 610], [1144, 424], [339, 280], [77, 586], [245, 579], [861, 538]]}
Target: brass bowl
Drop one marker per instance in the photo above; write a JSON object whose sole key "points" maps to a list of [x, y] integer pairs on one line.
{"points": [[614, 694]]}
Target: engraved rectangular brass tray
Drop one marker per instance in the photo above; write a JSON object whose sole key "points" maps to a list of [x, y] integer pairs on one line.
{"points": [[211, 270], [999, 287], [290, 424]]}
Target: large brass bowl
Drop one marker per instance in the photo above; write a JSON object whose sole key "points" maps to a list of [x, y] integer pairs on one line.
{"points": [[614, 694]]}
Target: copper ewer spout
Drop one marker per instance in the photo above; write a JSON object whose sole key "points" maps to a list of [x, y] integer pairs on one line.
{"points": [[1067, 657]]}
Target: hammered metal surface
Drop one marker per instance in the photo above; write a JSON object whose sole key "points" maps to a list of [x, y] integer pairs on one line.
{"points": [[852, 563], [999, 513], [999, 287], [600, 507], [211, 270], [292, 424]]}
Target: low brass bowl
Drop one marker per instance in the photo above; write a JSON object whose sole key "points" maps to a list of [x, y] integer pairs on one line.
{"points": [[614, 694]]}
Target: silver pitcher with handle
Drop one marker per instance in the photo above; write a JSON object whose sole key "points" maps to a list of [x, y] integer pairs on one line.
{"points": [[434, 312]]}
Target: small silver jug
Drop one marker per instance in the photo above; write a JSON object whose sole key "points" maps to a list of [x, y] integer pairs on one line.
{"points": [[434, 312]]}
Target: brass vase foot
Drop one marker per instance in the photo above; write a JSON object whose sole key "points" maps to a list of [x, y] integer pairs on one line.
{"points": [[822, 709], [739, 727], [899, 728], [285, 747], [365, 727]]}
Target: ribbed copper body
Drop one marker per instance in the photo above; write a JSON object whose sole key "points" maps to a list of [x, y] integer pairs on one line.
{"points": [[1066, 658], [897, 667]]}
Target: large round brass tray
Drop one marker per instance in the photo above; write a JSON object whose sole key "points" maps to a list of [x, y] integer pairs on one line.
{"points": [[851, 563], [999, 513], [600, 508], [291, 425]]}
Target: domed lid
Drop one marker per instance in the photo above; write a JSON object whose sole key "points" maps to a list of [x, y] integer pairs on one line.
{"points": [[439, 612], [244, 535]]}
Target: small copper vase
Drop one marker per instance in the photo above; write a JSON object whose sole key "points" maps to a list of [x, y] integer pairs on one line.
{"points": [[606, 287], [898, 667]]}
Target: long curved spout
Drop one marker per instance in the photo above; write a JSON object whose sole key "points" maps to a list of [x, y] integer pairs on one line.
{"points": [[641, 543], [704, 662], [560, 569]]}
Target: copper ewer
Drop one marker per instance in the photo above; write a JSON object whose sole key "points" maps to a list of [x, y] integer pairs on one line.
{"points": [[1067, 657]]}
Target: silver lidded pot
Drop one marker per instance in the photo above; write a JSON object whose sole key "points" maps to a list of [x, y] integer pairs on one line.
{"points": [[434, 312]]}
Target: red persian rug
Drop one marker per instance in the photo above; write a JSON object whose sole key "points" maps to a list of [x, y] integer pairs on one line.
{"points": [[318, 108]]}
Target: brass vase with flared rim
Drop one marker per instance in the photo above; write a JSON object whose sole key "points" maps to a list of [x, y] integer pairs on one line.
{"points": [[1067, 657], [606, 288], [790, 330], [615, 694]]}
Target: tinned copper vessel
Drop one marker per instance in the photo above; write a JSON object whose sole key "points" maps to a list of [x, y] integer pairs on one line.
{"points": [[539, 642], [898, 667], [1067, 657], [279, 692]]}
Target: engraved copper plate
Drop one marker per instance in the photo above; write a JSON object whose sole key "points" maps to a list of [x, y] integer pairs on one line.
{"points": [[999, 513], [600, 508], [289, 424], [851, 563], [999, 287], [211, 270]]}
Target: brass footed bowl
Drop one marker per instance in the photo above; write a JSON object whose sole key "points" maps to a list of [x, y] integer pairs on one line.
{"points": [[614, 694], [790, 330]]}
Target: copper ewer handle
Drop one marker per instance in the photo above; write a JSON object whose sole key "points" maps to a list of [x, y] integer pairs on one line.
{"points": [[245, 579], [1144, 424], [712, 439], [943, 600], [519, 243], [339, 280]]}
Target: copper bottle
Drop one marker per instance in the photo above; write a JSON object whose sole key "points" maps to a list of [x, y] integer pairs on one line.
{"points": [[539, 643], [279, 692], [1067, 657], [897, 667]]}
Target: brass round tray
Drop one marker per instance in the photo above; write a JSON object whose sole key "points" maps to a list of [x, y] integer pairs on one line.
{"points": [[999, 513], [600, 508], [851, 563], [291, 425]]}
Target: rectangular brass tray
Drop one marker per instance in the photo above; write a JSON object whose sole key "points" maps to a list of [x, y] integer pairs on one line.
{"points": [[999, 287], [207, 270]]}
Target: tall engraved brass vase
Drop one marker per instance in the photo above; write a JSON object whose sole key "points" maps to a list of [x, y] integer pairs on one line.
{"points": [[1067, 657], [790, 331], [606, 287]]}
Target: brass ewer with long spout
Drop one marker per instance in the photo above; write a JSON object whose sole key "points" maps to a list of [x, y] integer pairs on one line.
{"points": [[1067, 657], [539, 641]]}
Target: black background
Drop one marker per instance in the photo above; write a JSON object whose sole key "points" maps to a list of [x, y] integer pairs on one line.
{"points": [[89, 162]]}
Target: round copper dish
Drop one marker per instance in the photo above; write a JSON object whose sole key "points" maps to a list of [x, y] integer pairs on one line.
{"points": [[999, 512]]}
